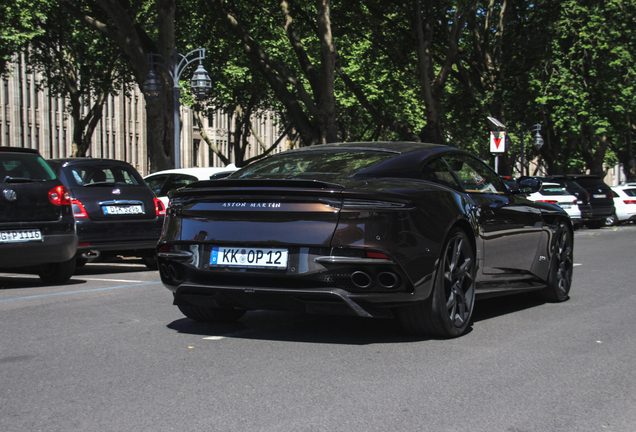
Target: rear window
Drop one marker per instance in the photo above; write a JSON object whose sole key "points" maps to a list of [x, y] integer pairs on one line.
{"points": [[630, 192], [591, 183], [103, 173], [313, 164], [553, 190], [15, 166]]}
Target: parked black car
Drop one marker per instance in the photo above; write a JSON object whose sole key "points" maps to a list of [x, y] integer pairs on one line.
{"points": [[37, 228], [386, 229], [116, 212], [599, 197]]}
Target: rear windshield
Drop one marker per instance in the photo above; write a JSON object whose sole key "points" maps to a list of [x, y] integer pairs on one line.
{"points": [[591, 183], [313, 164], [79, 175], [29, 166], [553, 190]]}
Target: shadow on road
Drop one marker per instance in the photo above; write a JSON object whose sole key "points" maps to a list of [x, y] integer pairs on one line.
{"points": [[347, 330], [27, 278]]}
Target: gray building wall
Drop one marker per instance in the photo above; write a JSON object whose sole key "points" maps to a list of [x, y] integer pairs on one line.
{"points": [[36, 119]]}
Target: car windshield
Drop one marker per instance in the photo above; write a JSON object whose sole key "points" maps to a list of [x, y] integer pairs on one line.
{"points": [[24, 167], [551, 190], [313, 164], [85, 175]]}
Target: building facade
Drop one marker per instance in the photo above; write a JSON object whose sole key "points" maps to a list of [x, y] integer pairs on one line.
{"points": [[33, 118]]}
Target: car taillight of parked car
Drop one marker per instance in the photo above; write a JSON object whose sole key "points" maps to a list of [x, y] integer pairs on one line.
{"points": [[60, 196], [160, 209], [629, 201], [548, 201], [79, 211]]}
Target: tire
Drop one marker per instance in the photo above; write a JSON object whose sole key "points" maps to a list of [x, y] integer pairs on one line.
{"points": [[150, 262], [611, 220], [561, 265], [57, 273], [448, 311], [595, 224], [211, 314]]}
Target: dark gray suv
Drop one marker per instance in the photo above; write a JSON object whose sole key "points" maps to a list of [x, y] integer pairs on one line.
{"points": [[37, 228]]}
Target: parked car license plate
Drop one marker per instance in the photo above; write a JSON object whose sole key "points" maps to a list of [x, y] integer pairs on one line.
{"points": [[248, 257], [566, 206], [122, 210], [599, 196], [15, 236]]}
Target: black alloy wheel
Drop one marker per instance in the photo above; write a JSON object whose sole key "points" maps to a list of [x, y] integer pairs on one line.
{"points": [[448, 311], [561, 267]]}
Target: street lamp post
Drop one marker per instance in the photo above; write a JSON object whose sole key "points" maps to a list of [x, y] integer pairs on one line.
{"points": [[200, 84], [538, 142]]}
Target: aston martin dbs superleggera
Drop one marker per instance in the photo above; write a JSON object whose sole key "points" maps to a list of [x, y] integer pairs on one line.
{"points": [[400, 230]]}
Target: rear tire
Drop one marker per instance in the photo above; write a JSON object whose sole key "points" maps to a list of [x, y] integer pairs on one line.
{"points": [[57, 273], [595, 224], [211, 314], [611, 220], [448, 311], [561, 265]]}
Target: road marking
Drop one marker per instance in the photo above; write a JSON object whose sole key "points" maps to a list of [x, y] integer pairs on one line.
{"points": [[78, 292], [111, 280], [214, 338], [576, 264]]}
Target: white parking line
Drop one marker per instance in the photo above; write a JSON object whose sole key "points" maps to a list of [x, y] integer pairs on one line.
{"points": [[110, 280]]}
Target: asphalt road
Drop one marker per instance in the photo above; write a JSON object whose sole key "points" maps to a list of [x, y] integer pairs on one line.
{"points": [[108, 352]]}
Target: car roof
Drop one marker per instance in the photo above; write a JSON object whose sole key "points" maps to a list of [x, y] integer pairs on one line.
{"points": [[19, 150], [399, 147], [87, 160]]}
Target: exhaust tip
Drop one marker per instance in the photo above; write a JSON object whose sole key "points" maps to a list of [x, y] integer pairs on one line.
{"points": [[388, 280], [361, 279]]}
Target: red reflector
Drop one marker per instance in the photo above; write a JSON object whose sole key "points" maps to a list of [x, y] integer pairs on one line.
{"points": [[376, 255], [83, 244], [164, 249]]}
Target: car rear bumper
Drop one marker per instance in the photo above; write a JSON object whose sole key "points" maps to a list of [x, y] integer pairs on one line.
{"points": [[53, 248], [330, 301]]}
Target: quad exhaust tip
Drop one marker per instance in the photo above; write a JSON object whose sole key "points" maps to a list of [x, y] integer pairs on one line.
{"points": [[363, 280]]}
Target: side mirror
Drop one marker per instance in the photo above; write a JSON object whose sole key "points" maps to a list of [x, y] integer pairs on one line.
{"points": [[528, 185]]}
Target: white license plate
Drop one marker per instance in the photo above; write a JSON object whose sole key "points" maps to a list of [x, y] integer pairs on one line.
{"points": [[566, 206], [16, 236], [600, 196], [123, 210], [249, 257]]}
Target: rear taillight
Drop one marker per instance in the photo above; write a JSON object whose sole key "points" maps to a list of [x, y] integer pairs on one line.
{"points": [[160, 209], [548, 201], [79, 211], [629, 201], [59, 195], [377, 255]]}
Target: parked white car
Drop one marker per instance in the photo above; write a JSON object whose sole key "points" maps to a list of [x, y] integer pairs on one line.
{"points": [[163, 182], [624, 203], [554, 193]]}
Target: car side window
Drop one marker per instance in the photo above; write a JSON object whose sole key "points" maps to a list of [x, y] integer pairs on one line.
{"points": [[156, 183], [474, 175], [437, 171]]}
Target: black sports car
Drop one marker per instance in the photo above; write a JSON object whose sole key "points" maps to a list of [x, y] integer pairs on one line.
{"points": [[116, 213], [383, 229]]}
